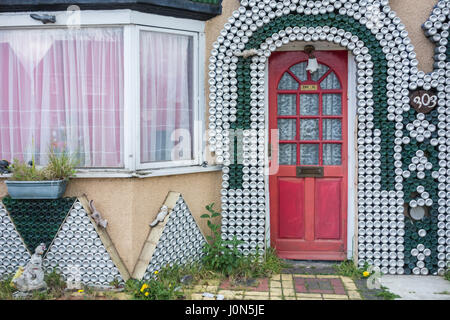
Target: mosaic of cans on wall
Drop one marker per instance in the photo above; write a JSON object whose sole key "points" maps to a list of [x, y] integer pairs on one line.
{"points": [[403, 116], [175, 241], [76, 248]]}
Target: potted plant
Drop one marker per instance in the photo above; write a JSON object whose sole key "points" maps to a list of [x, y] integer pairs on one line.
{"points": [[50, 182]]}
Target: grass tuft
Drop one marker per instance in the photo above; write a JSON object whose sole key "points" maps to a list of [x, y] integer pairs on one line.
{"points": [[447, 275], [348, 269], [386, 294]]}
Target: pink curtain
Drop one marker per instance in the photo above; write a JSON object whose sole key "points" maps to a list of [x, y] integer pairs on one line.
{"points": [[166, 97], [63, 88]]}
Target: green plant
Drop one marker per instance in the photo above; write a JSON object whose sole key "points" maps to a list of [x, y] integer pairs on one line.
{"points": [[258, 266], [115, 283], [348, 268], [221, 255], [56, 285], [21, 171], [386, 294], [443, 292], [163, 285], [6, 290], [447, 275], [61, 166]]}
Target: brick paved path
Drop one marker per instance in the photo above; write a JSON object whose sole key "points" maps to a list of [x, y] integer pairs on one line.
{"points": [[282, 287]]}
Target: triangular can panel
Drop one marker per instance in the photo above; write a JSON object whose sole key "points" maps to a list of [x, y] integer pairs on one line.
{"points": [[78, 253], [37, 221], [180, 241], [13, 252]]}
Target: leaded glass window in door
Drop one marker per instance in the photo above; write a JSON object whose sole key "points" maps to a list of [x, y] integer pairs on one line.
{"points": [[310, 117]]}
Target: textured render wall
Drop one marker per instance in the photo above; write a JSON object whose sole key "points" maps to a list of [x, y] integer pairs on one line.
{"points": [[130, 205], [197, 190]]}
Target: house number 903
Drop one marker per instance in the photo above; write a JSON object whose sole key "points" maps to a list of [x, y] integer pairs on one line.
{"points": [[423, 101]]}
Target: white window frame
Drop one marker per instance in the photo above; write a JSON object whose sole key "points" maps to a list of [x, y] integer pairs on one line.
{"points": [[196, 148], [132, 23]]}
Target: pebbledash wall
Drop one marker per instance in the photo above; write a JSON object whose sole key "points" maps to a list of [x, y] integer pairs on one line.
{"points": [[391, 136], [392, 65]]}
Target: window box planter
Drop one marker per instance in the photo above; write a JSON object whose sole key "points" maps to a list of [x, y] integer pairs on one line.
{"points": [[36, 189]]}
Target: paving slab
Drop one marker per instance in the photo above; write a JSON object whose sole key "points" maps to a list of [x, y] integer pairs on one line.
{"points": [[413, 287]]}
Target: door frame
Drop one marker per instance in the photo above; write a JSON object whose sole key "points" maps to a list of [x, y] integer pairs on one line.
{"points": [[352, 161]]}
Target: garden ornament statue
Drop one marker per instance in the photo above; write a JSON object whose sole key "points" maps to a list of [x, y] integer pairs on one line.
{"points": [[313, 66], [44, 18], [161, 215], [247, 53], [4, 166], [32, 277], [97, 216]]}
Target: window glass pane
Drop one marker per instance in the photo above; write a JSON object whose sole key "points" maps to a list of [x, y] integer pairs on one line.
{"points": [[287, 83], [319, 73], [330, 82], [332, 129], [287, 105], [287, 154], [332, 104], [309, 129], [332, 154], [166, 97], [299, 70], [309, 154], [63, 89], [287, 129], [309, 104]]}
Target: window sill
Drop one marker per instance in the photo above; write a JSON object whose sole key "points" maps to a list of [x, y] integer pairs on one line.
{"points": [[122, 173]]}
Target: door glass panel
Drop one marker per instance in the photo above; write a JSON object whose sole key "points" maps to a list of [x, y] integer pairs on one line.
{"points": [[288, 154], [309, 154], [319, 73], [332, 129], [332, 104], [287, 105], [309, 104], [332, 154], [287, 83], [330, 82], [309, 129], [287, 129], [299, 70]]}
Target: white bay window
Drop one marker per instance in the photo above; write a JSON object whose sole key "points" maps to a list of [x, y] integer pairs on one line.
{"points": [[119, 96]]}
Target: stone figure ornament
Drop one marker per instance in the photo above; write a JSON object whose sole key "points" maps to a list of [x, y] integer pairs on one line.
{"points": [[161, 215], [96, 215], [44, 18], [247, 53], [4, 167], [313, 66], [32, 277]]}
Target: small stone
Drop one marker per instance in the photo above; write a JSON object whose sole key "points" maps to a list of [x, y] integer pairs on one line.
{"points": [[208, 295]]}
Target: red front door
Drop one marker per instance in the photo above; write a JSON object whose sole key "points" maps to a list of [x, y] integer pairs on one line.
{"points": [[308, 194]]}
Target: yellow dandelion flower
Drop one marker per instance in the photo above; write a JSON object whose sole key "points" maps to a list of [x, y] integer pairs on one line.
{"points": [[80, 291], [366, 273], [146, 294], [144, 286]]}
